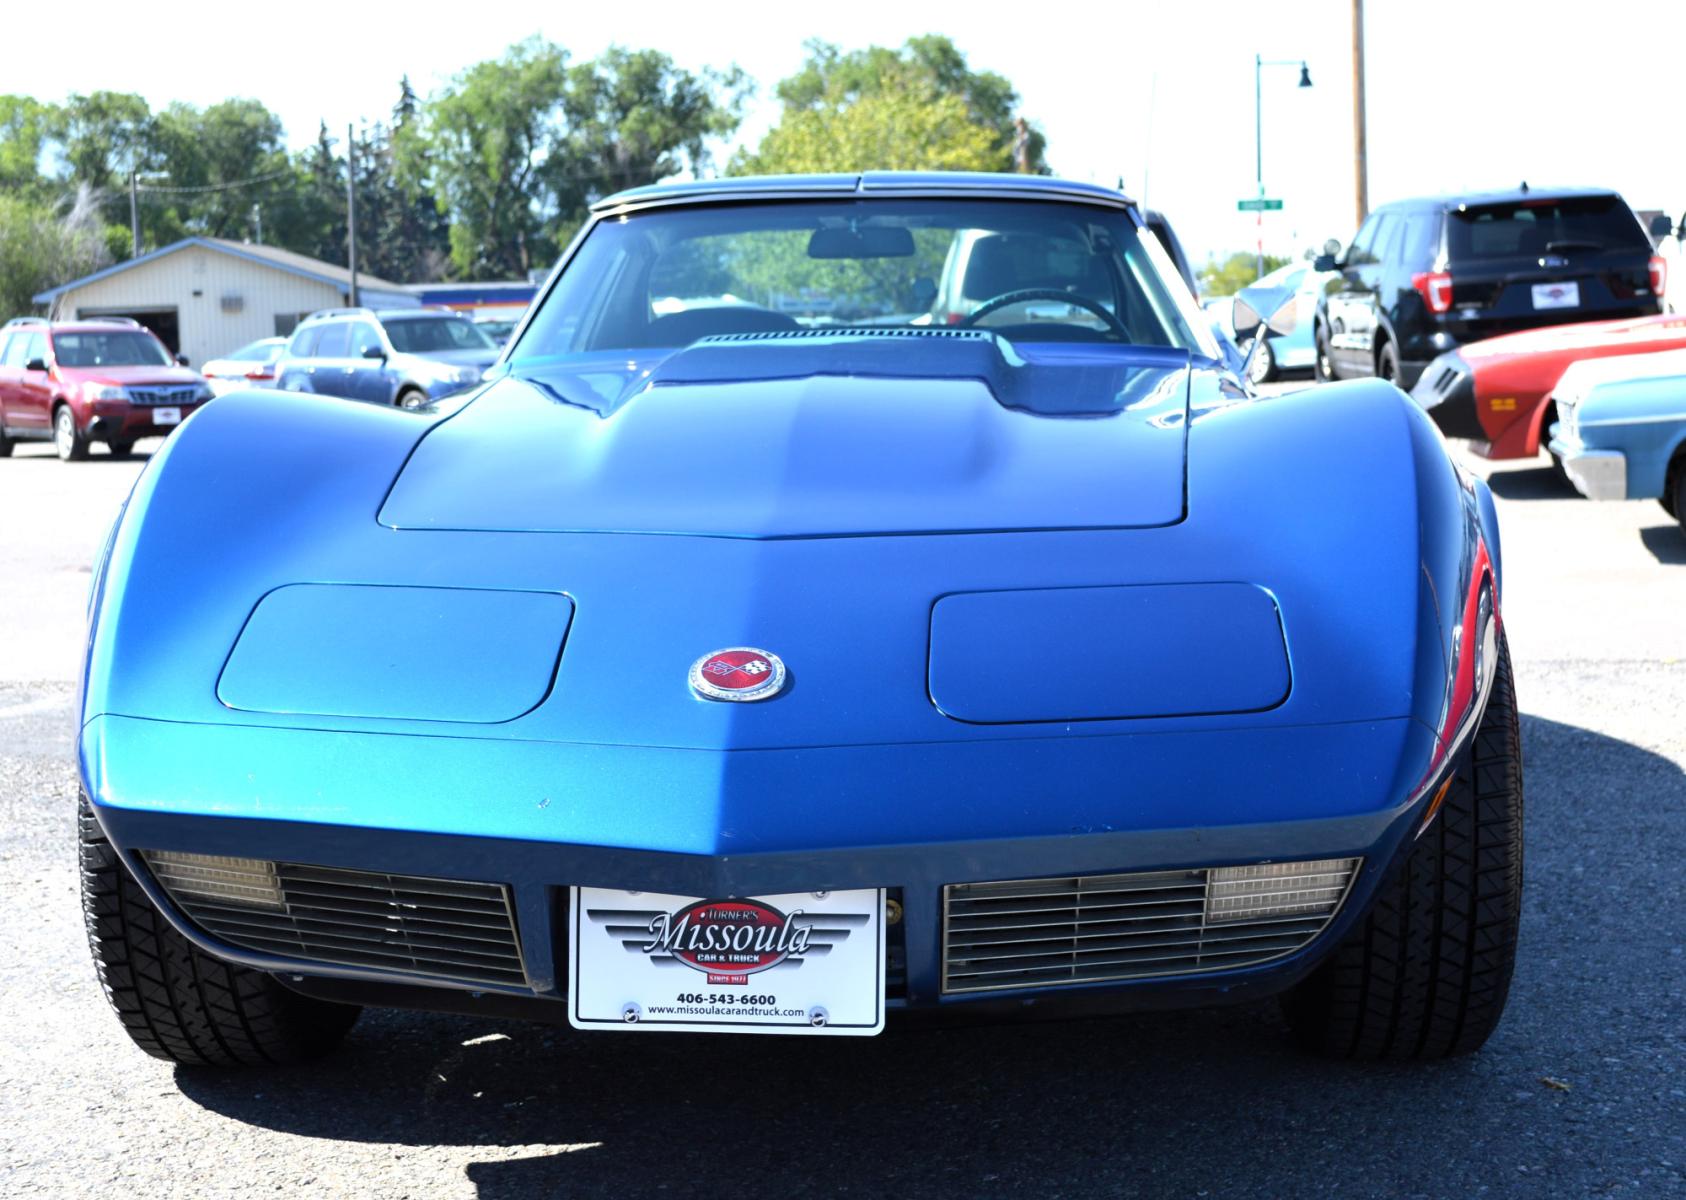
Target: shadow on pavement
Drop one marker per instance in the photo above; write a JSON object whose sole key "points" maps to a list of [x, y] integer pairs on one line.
{"points": [[1213, 1102], [96, 456], [1667, 543], [1535, 483]]}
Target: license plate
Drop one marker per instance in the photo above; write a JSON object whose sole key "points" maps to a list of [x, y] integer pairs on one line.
{"points": [[166, 416], [800, 962], [1557, 295]]}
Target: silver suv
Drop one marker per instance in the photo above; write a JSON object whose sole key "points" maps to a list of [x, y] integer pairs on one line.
{"points": [[405, 357]]}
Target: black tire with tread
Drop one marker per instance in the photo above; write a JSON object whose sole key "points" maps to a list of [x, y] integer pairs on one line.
{"points": [[77, 450], [178, 1003], [1387, 363], [419, 396], [1323, 359], [1427, 973], [5, 445]]}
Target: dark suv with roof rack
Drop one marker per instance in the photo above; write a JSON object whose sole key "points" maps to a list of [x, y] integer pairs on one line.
{"points": [[1422, 277], [107, 380]]}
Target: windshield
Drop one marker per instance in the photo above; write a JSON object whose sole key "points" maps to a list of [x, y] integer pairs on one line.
{"points": [[119, 348], [1029, 271], [429, 335], [1529, 228]]}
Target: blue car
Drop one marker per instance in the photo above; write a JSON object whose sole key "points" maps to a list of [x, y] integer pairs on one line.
{"points": [[406, 358], [1621, 429], [756, 652]]}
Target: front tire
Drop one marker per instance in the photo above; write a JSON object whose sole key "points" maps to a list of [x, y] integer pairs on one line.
{"points": [[1324, 361], [68, 440], [1427, 973], [1387, 363], [177, 1002], [411, 398], [1263, 367]]}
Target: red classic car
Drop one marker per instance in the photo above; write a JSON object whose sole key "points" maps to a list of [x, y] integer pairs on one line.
{"points": [[1497, 392]]}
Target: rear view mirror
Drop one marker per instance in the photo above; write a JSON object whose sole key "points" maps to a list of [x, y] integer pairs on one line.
{"points": [[1661, 226], [374, 352], [182, 359], [35, 364], [1324, 262], [873, 241]]}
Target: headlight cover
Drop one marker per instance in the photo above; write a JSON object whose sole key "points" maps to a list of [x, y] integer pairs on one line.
{"points": [[106, 391]]}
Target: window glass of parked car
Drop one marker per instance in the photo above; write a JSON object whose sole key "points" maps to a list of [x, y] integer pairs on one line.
{"points": [[364, 337], [303, 344], [429, 335], [121, 348], [1359, 253], [1387, 238], [666, 278], [1422, 240], [256, 352], [9, 342], [1530, 228], [35, 348], [331, 340]]}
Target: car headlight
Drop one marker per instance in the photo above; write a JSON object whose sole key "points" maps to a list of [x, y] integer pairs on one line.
{"points": [[202, 393], [106, 391], [468, 375]]}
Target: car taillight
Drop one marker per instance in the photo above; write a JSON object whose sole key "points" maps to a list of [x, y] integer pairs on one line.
{"points": [[260, 373], [1659, 274], [1435, 287]]}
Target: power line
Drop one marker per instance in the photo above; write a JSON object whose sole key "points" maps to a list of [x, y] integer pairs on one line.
{"points": [[217, 187]]}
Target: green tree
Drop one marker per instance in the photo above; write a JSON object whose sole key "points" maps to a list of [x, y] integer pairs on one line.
{"points": [[632, 118], [1226, 277], [483, 142], [916, 107], [42, 245], [26, 126], [220, 162]]}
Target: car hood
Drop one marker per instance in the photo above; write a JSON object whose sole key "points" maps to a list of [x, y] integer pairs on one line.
{"points": [[123, 376], [458, 358], [1581, 377], [793, 438], [1639, 333]]}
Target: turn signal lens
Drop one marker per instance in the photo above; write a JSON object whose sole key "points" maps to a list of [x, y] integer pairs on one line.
{"points": [[1435, 287], [248, 881], [1291, 889], [1659, 274]]}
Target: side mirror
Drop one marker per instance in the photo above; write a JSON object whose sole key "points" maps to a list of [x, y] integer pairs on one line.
{"points": [[35, 364], [181, 359], [1661, 226], [375, 352], [1324, 262]]}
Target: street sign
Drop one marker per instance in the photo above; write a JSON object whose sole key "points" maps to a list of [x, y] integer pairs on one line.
{"points": [[1259, 205]]}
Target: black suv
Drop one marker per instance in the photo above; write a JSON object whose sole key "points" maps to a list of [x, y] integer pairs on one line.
{"points": [[1426, 276]]}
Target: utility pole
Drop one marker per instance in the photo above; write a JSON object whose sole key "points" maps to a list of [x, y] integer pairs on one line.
{"points": [[351, 207], [1360, 152], [1258, 161], [134, 214]]}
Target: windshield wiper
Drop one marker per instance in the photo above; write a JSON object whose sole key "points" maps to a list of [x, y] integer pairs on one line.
{"points": [[1575, 244]]}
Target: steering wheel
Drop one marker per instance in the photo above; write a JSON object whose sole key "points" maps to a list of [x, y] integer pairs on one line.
{"points": [[1023, 295]]}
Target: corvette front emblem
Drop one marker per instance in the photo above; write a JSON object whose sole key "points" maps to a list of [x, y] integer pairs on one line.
{"points": [[741, 673]]}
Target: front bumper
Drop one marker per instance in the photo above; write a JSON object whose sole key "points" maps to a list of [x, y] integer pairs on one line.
{"points": [[1596, 474], [116, 420], [254, 804]]}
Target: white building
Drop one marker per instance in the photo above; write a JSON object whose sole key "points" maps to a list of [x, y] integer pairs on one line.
{"points": [[207, 296]]}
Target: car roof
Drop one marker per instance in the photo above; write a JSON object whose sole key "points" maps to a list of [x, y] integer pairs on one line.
{"points": [[904, 183], [1453, 201]]}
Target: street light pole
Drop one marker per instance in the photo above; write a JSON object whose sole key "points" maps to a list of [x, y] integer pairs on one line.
{"points": [[134, 215], [351, 208], [1360, 151], [1259, 64]]}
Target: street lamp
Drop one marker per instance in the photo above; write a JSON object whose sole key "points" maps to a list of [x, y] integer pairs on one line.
{"points": [[1259, 64]]}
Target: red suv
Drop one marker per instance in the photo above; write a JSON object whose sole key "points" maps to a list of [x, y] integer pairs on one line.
{"points": [[75, 382]]}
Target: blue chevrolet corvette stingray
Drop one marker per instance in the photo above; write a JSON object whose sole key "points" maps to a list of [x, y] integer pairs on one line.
{"points": [[847, 598]]}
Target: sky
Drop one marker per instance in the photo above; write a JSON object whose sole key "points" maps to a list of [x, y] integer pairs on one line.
{"points": [[1461, 93]]}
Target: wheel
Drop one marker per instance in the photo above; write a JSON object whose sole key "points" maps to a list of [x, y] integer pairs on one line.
{"points": [[122, 449], [411, 398], [1677, 494], [1263, 367], [1427, 973], [1324, 366], [5, 444], [178, 1003], [67, 439], [1387, 363]]}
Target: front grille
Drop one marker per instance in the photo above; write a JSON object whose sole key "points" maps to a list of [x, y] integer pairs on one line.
{"points": [[403, 924], [1092, 928], [160, 395]]}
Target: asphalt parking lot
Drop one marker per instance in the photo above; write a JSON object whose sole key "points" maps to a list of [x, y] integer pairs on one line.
{"points": [[1582, 1092]]}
